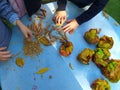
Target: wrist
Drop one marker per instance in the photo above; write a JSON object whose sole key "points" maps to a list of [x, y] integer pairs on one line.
{"points": [[19, 23], [76, 22]]}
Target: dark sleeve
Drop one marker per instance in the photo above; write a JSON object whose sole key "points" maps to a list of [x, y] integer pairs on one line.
{"points": [[95, 8], [61, 4], [32, 6]]}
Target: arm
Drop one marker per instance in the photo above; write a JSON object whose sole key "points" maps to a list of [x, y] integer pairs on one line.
{"points": [[7, 13], [95, 8]]}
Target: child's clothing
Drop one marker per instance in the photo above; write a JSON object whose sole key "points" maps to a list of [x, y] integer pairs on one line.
{"points": [[7, 13], [95, 8], [25, 6], [18, 6], [5, 35], [32, 6]]}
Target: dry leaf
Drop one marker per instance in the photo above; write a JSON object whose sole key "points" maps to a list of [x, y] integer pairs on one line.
{"points": [[105, 15], [20, 61], [43, 70]]}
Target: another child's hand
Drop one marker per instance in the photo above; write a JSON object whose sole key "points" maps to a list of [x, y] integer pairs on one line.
{"points": [[4, 55], [25, 30], [60, 17], [70, 26]]}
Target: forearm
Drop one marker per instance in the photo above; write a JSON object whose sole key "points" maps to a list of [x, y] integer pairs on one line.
{"points": [[19, 23], [91, 12]]}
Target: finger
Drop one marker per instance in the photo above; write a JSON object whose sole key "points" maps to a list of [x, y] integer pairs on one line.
{"points": [[59, 20], [7, 56], [67, 29], [5, 52], [56, 19], [66, 26], [2, 48], [64, 18]]}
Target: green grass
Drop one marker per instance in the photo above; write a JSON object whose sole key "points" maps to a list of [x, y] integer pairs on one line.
{"points": [[47, 1], [113, 9]]}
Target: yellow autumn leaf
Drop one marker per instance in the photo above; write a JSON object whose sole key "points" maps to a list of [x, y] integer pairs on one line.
{"points": [[105, 15], [20, 62], [43, 70]]}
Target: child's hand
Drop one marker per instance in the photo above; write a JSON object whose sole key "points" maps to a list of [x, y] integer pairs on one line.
{"points": [[60, 17], [25, 30], [70, 26], [27, 33], [4, 55]]}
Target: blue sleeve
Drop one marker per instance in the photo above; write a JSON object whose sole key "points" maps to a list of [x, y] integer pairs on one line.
{"points": [[95, 8], [61, 4], [7, 12]]}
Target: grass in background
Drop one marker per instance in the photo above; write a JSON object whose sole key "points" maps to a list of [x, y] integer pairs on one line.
{"points": [[113, 9], [47, 1]]}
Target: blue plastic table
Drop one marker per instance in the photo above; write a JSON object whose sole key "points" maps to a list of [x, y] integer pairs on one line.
{"points": [[81, 77]]}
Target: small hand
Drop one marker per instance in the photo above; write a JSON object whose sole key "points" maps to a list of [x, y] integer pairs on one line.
{"points": [[25, 30], [60, 17], [27, 33], [70, 26], [4, 55]]}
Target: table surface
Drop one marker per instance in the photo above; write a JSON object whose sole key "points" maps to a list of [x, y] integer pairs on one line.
{"points": [[81, 77]]}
